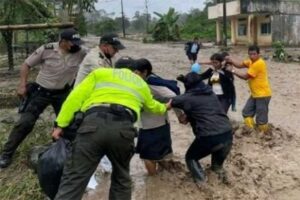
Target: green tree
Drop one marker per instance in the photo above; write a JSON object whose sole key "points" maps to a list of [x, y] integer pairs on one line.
{"points": [[197, 24], [119, 23], [166, 28], [106, 26], [139, 22], [80, 23], [81, 5], [17, 12]]}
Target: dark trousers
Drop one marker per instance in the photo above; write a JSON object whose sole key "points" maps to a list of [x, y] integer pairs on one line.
{"points": [[218, 146], [225, 102], [258, 107], [39, 101], [192, 56], [101, 133]]}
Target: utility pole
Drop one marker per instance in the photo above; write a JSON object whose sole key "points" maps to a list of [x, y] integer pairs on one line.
{"points": [[147, 17], [224, 24], [123, 19]]}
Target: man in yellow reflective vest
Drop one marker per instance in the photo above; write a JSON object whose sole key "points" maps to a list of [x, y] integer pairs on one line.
{"points": [[111, 100]]}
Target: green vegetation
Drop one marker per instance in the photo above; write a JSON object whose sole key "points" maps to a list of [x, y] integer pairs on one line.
{"points": [[18, 181], [16, 12], [166, 28], [161, 27], [279, 51], [197, 24], [40, 11]]}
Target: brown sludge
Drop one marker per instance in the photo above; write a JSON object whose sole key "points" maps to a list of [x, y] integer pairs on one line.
{"points": [[260, 167]]}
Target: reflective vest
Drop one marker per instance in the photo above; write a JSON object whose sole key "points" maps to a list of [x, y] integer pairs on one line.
{"points": [[109, 86]]}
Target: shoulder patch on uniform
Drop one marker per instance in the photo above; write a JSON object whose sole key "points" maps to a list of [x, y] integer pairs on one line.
{"points": [[48, 46]]}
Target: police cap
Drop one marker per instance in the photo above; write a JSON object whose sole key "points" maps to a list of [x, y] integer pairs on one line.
{"points": [[113, 40]]}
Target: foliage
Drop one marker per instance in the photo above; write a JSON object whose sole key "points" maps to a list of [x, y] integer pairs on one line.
{"points": [[99, 22], [139, 22], [17, 12], [106, 26], [197, 24], [166, 28], [18, 181], [279, 51], [82, 5], [119, 23], [80, 24]]}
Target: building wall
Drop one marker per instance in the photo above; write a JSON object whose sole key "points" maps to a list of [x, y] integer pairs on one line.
{"points": [[263, 39], [284, 20], [216, 11], [286, 28], [271, 6], [241, 21], [253, 32]]}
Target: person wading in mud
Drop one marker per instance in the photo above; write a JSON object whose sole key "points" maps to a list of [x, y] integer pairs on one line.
{"points": [[59, 65], [111, 99], [210, 124], [154, 138], [100, 57], [221, 81], [257, 77]]}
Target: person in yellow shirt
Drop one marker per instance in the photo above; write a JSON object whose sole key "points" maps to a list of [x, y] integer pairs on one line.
{"points": [[257, 77], [111, 99]]}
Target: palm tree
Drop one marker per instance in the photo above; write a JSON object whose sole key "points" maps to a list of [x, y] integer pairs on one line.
{"points": [[166, 27]]}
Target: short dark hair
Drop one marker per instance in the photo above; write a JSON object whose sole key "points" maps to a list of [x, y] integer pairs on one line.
{"points": [[142, 65], [125, 62], [224, 54], [254, 48], [217, 56]]}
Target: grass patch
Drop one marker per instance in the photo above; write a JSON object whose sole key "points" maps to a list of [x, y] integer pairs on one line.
{"points": [[18, 181]]}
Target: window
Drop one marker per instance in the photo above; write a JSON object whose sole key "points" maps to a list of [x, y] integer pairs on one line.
{"points": [[265, 28], [242, 30]]}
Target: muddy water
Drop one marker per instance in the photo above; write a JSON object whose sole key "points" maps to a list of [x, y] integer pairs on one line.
{"points": [[258, 167]]}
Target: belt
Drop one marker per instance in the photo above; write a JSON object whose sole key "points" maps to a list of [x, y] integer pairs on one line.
{"points": [[113, 108], [53, 91]]}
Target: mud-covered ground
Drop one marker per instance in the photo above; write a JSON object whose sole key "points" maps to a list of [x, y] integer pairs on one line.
{"points": [[258, 167]]}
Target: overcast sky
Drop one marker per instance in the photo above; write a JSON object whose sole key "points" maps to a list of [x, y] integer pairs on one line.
{"points": [[160, 6]]}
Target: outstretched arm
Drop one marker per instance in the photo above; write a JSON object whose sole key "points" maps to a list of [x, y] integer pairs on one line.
{"points": [[235, 63], [241, 74]]}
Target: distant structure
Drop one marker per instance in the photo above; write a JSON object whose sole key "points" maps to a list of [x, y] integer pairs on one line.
{"points": [[260, 22]]}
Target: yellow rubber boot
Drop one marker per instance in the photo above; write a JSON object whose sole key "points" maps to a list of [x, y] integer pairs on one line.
{"points": [[263, 128], [249, 121]]}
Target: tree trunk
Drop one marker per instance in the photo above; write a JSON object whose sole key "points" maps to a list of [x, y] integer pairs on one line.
{"points": [[8, 37]]}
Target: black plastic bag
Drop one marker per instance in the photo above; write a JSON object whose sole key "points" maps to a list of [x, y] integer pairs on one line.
{"points": [[50, 166], [34, 155]]}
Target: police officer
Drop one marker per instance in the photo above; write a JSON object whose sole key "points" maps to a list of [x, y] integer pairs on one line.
{"points": [[59, 63], [111, 100], [100, 56]]}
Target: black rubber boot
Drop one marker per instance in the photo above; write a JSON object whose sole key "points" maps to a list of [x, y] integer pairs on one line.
{"points": [[5, 161], [196, 170]]}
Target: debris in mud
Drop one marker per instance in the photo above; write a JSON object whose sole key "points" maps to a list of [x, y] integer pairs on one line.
{"points": [[171, 165], [273, 137]]}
